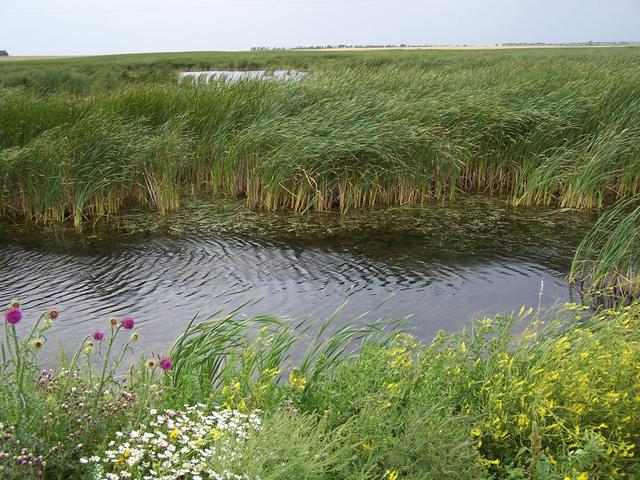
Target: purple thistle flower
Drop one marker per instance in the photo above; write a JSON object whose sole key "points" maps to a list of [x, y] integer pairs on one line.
{"points": [[165, 364], [127, 323], [98, 335], [53, 314], [13, 315]]}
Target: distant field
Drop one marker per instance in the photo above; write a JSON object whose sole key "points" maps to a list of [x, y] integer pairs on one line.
{"points": [[462, 47], [32, 57]]}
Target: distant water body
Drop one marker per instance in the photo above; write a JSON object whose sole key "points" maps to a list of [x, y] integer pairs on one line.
{"points": [[231, 76]]}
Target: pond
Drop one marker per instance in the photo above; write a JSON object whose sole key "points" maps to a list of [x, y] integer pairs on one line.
{"points": [[442, 263], [231, 76]]}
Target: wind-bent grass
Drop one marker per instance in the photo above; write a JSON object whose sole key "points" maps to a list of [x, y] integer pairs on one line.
{"points": [[607, 262], [336, 139], [206, 356]]}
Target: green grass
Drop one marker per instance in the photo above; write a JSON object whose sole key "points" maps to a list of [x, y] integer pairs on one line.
{"points": [[520, 396], [82, 137], [606, 262]]}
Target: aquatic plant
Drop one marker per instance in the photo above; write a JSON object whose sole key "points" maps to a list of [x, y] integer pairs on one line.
{"points": [[244, 357], [562, 132]]}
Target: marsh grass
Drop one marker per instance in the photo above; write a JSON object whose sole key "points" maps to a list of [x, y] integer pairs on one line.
{"points": [[338, 139], [607, 262]]}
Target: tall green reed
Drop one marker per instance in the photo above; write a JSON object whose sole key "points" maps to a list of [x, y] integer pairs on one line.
{"points": [[227, 350], [607, 262]]}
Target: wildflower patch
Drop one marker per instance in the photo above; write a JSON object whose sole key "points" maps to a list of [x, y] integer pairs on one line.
{"points": [[187, 444]]}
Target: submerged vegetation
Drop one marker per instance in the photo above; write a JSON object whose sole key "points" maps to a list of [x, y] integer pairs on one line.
{"points": [[558, 400], [80, 138]]}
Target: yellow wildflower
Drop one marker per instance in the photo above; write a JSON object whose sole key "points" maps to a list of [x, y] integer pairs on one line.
{"points": [[488, 463], [272, 372], [297, 381], [403, 360], [394, 387], [391, 475], [522, 420]]}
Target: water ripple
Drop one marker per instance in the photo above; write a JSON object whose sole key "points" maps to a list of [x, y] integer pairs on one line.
{"points": [[442, 264]]}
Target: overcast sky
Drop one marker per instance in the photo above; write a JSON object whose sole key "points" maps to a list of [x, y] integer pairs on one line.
{"points": [[46, 27]]}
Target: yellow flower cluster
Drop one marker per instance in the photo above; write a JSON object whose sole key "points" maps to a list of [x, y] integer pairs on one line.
{"points": [[581, 389], [297, 381], [391, 475], [400, 351]]}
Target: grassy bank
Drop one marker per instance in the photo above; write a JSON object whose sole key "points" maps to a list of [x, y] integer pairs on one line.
{"points": [[558, 400], [81, 137]]}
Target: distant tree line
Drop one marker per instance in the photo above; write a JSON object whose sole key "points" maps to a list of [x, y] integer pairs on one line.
{"points": [[402, 45], [405, 45], [566, 44], [266, 49], [322, 47]]}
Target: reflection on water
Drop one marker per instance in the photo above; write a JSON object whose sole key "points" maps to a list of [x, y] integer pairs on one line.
{"points": [[444, 263], [231, 76]]}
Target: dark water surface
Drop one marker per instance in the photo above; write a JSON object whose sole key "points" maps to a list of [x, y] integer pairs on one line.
{"points": [[444, 263]]}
